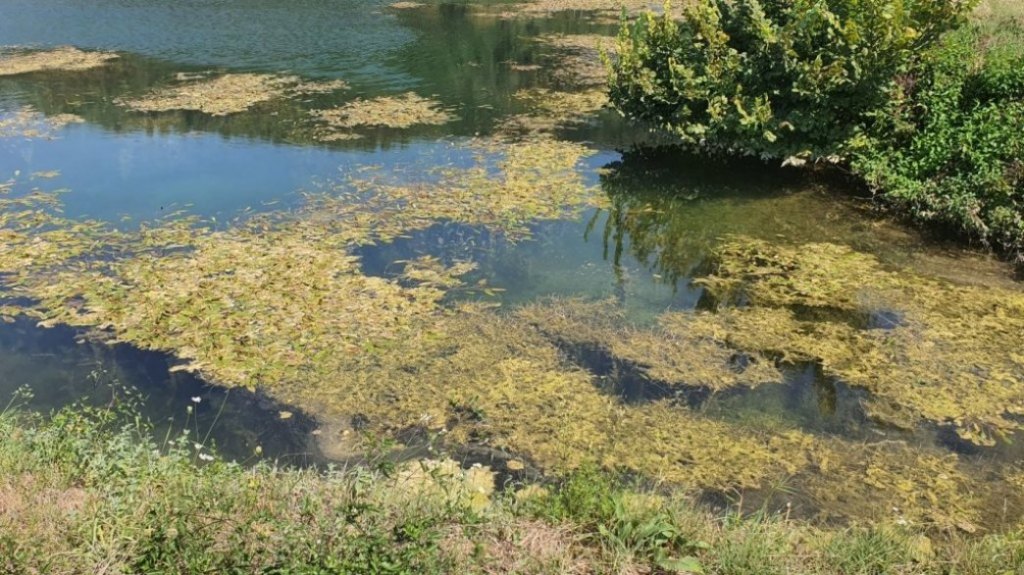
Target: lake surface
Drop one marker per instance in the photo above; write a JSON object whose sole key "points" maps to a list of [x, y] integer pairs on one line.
{"points": [[655, 224]]}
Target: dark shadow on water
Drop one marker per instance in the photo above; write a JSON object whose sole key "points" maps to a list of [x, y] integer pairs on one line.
{"points": [[807, 399], [60, 368]]}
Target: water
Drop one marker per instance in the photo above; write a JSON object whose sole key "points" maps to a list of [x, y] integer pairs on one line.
{"points": [[662, 211]]}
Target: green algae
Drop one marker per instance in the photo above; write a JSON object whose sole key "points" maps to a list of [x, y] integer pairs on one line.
{"points": [[686, 350], [951, 357], [227, 94], [510, 186], [279, 302], [550, 110], [580, 59], [398, 112], [66, 58]]}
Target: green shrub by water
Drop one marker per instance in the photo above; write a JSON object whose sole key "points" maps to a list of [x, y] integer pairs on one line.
{"points": [[921, 102], [948, 146]]}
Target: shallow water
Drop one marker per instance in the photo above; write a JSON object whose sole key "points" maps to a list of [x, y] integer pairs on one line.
{"points": [[660, 214]]}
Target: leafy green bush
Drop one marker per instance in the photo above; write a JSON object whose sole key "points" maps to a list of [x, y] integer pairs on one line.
{"points": [[923, 104], [948, 146], [773, 78]]}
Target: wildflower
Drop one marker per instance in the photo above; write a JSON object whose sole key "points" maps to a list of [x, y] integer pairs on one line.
{"points": [[259, 450], [198, 446], [196, 399], [205, 457]]}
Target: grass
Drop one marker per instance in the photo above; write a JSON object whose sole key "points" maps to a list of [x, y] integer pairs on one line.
{"points": [[88, 490]]}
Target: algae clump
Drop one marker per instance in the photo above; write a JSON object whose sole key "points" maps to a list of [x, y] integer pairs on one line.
{"points": [[227, 94], [65, 58], [925, 349], [403, 111]]}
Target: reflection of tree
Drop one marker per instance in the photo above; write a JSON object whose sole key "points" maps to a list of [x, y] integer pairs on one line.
{"points": [[461, 59], [666, 209], [466, 58], [91, 94]]}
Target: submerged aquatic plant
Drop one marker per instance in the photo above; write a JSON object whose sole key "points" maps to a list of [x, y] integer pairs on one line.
{"points": [[580, 60], [509, 187], [947, 354], [279, 301], [549, 110]]}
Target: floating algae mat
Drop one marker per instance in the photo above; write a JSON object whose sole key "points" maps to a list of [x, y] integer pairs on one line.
{"points": [[279, 302], [228, 94], [26, 122], [402, 111], [67, 59]]}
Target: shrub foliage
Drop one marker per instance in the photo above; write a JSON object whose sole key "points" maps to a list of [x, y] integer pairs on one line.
{"points": [[921, 102]]}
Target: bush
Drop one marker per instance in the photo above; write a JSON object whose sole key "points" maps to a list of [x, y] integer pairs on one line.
{"points": [[947, 147], [924, 105], [774, 78]]}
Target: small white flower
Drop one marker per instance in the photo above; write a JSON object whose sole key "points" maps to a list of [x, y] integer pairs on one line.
{"points": [[198, 446], [196, 399], [205, 457]]}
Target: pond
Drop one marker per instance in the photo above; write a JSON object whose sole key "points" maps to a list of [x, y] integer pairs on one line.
{"points": [[325, 220]]}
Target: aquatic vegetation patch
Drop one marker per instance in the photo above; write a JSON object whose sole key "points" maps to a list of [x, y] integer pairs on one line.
{"points": [[510, 186], [686, 350], [399, 112], [279, 302], [890, 482], [27, 122], [550, 110], [491, 380], [603, 10], [580, 60], [228, 94], [563, 106], [953, 358], [66, 58]]}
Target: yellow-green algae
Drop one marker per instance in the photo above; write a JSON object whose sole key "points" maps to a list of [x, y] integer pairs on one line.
{"points": [[604, 10], [943, 353], [227, 94], [403, 111], [685, 350], [64, 58], [280, 302], [510, 186], [580, 60], [550, 110]]}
